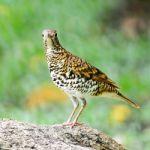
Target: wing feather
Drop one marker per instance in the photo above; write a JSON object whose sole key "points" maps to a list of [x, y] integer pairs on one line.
{"points": [[84, 69]]}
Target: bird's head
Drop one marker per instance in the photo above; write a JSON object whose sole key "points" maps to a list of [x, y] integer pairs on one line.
{"points": [[50, 39]]}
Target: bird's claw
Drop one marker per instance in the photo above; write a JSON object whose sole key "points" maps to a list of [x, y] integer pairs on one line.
{"points": [[72, 124]]}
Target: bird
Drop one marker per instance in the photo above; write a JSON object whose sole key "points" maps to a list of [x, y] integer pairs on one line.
{"points": [[76, 77]]}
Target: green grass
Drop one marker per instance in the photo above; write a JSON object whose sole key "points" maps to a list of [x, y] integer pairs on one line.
{"points": [[23, 66]]}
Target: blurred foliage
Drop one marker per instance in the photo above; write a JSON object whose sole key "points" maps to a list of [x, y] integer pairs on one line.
{"points": [[24, 77], [120, 113], [45, 94], [131, 16]]}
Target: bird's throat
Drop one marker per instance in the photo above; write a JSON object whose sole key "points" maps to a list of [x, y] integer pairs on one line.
{"points": [[52, 45], [48, 44]]}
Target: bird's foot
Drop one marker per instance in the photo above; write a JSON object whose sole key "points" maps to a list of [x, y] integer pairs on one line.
{"points": [[72, 124], [67, 123], [76, 124]]}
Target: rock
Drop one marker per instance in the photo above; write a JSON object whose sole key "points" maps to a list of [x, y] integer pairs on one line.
{"points": [[16, 135]]}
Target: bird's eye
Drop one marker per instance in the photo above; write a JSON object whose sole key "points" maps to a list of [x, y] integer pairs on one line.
{"points": [[55, 34], [42, 35]]}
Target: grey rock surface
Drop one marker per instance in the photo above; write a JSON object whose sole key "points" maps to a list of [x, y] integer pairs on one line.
{"points": [[16, 135]]}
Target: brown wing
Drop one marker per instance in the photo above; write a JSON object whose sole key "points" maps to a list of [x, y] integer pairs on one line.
{"points": [[87, 71]]}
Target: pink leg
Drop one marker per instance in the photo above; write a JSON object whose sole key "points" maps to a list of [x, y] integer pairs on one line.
{"points": [[79, 113], [76, 105]]}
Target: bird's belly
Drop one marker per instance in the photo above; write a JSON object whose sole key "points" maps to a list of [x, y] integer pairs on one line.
{"points": [[75, 86]]}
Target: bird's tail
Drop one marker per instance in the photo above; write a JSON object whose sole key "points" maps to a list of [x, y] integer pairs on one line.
{"points": [[118, 95], [127, 100]]}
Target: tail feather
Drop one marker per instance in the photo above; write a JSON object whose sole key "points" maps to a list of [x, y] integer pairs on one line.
{"points": [[128, 100], [118, 95]]}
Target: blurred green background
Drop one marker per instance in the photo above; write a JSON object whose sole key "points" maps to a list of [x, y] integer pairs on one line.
{"points": [[112, 35]]}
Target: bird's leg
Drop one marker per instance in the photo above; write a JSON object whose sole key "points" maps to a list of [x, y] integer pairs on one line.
{"points": [[76, 105], [83, 105]]}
